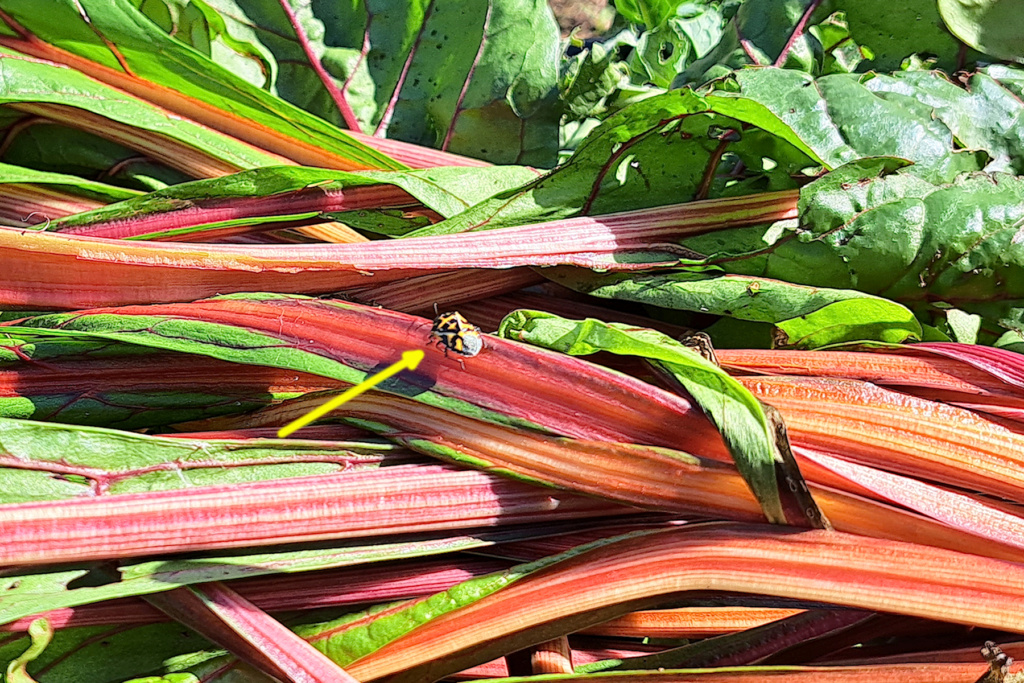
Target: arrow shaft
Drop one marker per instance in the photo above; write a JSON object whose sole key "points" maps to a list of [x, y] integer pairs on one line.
{"points": [[337, 401]]}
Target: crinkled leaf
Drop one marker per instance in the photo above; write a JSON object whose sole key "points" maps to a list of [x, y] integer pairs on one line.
{"points": [[748, 431], [767, 27], [985, 115], [654, 152], [659, 150], [921, 244], [650, 13], [893, 31], [665, 51], [840, 118]]}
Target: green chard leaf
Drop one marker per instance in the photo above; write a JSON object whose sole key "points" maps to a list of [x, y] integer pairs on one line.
{"points": [[477, 80], [755, 436], [90, 189], [843, 117], [658, 151], [45, 461], [29, 82], [989, 26], [802, 316], [104, 654], [925, 245], [89, 28]]}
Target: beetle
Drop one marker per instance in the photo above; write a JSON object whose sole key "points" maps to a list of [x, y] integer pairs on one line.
{"points": [[454, 333]]}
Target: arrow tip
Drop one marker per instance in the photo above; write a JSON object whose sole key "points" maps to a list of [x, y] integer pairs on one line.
{"points": [[412, 358]]}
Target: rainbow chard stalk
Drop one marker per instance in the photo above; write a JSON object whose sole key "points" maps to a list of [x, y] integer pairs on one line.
{"points": [[468, 625], [215, 218], [901, 433], [347, 342], [134, 390], [303, 509], [283, 592], [78, 272], [272, 197], [226, 618], [23, 205], [29, 197], [184, 82], [980, 378]]}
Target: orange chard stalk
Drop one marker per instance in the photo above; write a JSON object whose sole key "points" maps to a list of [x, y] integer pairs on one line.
{"points": [[689, 622], [924, 370], [894, 431]]}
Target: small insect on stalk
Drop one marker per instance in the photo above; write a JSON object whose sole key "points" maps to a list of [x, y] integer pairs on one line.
{"points": [[454, 333]]}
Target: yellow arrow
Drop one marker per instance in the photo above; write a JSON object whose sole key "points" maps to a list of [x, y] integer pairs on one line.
{"points": [[410, 359]]}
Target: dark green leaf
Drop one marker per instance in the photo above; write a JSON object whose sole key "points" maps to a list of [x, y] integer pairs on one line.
{"points": [[926, 246], [893, 31], [804, 317], [475, 79], [59, 149], [654, 152]]}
